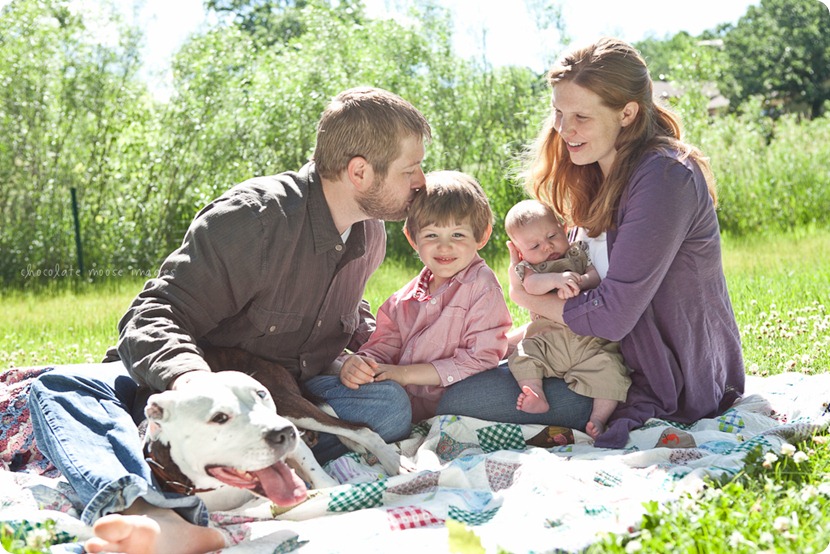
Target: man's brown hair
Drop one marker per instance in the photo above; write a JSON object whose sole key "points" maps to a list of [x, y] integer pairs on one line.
{"points": [[367, 122]]}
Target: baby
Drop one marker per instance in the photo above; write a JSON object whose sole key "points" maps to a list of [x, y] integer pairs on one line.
{"points": [[591, 366]]}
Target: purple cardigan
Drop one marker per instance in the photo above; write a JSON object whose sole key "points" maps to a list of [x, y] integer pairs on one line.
{"points": [[665, 299]]}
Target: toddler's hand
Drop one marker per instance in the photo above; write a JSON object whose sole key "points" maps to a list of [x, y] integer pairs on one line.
{"points": [[357, 370]]}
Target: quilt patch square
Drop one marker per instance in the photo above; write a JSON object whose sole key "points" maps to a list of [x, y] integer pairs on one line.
{"points": [[449, 449], [421, 483], [471, 518], [502, 436], [675, 438], [411, 517], [758, 441], [500, 474], [358, 497], [731, 422]]}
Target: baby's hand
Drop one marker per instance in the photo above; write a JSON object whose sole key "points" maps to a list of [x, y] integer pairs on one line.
{"points": [[538, 283], [569, 285], [357, 370]]}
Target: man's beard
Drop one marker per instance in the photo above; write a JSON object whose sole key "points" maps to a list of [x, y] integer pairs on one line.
{"points": [[377, 203]]}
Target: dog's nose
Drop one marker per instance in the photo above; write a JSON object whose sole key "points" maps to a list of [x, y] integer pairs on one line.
{"points": [[281, 437]]}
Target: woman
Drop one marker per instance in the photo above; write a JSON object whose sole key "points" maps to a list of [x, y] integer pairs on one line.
{"points": [[612, 161]]}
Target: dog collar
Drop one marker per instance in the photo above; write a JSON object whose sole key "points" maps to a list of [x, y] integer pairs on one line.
{"points": [[167, 480]]}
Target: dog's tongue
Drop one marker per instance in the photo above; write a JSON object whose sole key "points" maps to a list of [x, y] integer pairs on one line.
{"points": [[281, 485]]}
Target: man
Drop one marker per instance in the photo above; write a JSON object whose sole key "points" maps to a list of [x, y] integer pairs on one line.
{"points": [[276, 266]]}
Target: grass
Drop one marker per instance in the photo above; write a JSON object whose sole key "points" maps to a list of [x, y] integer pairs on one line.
{"points": [[779, 288], [61, 325]]}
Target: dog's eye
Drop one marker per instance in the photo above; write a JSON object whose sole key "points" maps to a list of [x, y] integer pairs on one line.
{"points": [[262, 393], [220, 418]]}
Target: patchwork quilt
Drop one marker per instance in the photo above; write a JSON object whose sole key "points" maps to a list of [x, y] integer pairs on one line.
{"points": [[518, 488]]}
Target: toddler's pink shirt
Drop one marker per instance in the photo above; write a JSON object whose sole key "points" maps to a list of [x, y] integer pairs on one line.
{"points": [[461, 330]]}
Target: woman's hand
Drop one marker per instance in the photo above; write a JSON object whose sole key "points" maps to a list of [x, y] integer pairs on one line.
{"points": [[357, 370], [516, 289]]}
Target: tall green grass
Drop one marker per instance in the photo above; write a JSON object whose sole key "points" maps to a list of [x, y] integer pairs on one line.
{"points": [[768, 171]]}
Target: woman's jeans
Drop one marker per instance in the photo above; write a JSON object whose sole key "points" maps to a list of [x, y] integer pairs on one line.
{"points": [[491, 395], [85, 422]]}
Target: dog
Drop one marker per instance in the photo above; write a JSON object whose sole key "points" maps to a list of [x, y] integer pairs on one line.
{"points": [[234, 432]]}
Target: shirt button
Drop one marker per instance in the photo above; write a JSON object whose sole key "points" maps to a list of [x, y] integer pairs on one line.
{"points": [[433, 301], [595, 302], [319, 322], [339, 247], [304, 363], [450, 379], [272, 328]]}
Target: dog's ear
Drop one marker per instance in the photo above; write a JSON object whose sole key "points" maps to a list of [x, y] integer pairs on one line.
{"points": [[157, 411]]}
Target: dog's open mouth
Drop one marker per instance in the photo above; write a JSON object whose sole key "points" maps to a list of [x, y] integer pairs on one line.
{"points": [[278, 482]]}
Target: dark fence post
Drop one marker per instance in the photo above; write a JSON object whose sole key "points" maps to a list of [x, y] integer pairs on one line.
{"points": [[78, 248]]}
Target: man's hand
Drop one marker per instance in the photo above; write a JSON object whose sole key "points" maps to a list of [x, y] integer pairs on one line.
{"points": [[185, 379], [357, 370]]}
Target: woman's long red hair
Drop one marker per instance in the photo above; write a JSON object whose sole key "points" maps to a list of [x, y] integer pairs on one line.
{"points": [[585, 197]]}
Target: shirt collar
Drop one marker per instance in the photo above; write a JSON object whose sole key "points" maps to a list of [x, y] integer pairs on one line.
{"points": [[326, 236], [420, 291]]}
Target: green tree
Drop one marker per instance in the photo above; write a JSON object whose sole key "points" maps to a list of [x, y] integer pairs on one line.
{"points": [[691, 66], [780, 50], [240, 110], [65, 102], [665, 56], [276, 22]]}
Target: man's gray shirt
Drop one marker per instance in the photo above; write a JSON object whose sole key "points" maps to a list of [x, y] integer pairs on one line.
{"points": [[262, 268]]}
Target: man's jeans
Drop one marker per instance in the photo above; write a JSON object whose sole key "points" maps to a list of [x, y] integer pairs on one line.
{"points": [[85, 417], [491, 395], [383, 406]]}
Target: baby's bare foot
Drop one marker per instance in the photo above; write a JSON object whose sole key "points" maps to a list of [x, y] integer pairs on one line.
{"points": [[595, 428], [532, 401]]}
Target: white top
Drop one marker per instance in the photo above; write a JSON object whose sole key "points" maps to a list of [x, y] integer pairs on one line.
{"points": [[597, 251]]}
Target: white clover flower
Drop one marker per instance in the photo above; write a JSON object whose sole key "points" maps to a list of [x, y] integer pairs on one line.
{"points": [[824, 488], [633, 546], [769, 459], [736, 539], [781, 523], [766, 538], [799, 457], [787, 449], [808, 492], [38, 539]]}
